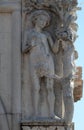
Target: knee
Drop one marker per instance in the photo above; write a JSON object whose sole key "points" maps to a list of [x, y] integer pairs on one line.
{"points": [[68, 99], [50, 89], [68, 96]]}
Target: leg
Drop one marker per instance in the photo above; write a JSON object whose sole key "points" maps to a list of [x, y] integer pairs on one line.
{"points": [[51, 97], [68, 102], [35, 93]]}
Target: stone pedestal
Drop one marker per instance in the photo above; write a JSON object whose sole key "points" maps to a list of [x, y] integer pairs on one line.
{"points": [[46, 126]]}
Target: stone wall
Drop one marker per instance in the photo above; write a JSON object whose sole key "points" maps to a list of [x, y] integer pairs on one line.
{"points": [[10, 64]]}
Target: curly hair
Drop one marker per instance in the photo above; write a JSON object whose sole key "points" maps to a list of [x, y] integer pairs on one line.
{"points": [[35, 15]]}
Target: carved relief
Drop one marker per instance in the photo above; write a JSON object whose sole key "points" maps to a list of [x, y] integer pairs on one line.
{"points": [[39, 46], [49, 30]]}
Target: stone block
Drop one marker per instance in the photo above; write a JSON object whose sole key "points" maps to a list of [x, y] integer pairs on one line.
{"points": [[46, 126], [5, 121], [78, 84], [78, 89]]}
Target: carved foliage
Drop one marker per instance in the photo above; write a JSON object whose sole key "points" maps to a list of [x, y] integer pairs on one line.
{"points": [[64, 10]]}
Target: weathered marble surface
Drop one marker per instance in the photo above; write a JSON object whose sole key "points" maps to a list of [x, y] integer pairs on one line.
{"points": [[10, 65], [24, 22], [43, 38]]}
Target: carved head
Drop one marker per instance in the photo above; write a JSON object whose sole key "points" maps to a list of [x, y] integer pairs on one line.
{"points": [[40, 18]]}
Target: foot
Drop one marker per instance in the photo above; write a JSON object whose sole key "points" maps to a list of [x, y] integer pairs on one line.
{"points": [[55, 117]]}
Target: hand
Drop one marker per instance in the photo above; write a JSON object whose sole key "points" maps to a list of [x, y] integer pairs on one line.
{"points": [[27, 48]]}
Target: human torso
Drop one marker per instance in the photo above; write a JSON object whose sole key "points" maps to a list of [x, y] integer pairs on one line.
{"points": [[40, 54]]}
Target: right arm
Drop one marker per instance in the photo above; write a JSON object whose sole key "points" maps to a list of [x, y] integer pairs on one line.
{"points": [[26, 44]]}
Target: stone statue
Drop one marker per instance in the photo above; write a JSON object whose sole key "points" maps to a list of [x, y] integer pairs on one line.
{"points": [[65, 39], [39, 46], [37, 65], [48, 44]]}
